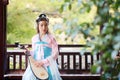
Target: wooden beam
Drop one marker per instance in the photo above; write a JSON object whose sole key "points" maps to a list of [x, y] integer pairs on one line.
{"points": [[3, 4]]}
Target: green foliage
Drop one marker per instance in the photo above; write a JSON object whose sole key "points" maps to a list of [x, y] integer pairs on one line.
{"points": [[19, 23], [106, 16], [21, 18], [109, 36], [78, 17]]}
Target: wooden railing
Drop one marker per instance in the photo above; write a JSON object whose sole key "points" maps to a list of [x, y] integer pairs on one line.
{"points": [[70, 61]]}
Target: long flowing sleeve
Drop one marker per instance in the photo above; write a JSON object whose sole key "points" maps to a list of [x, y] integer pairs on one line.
{"points": [[52, 60], [54, 53], [32, 51], [34, 38]]}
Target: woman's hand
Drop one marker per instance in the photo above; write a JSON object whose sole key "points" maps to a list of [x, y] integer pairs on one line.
{"points": [[27, 51], [38, 63], [25, 47]]}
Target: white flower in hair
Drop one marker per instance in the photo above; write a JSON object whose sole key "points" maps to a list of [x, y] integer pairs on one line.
{"points": [[42, 16]]}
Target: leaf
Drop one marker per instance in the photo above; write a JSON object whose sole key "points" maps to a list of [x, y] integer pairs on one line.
{"points": [[114, 54], [70, 6], [93, 69], [67, 0], [116, 46], [61, 8]]}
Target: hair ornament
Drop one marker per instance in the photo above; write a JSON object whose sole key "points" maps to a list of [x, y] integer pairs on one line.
{"points": [[42, 16]]}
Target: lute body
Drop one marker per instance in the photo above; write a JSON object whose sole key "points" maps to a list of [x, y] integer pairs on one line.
{"points": [[39, 72]]}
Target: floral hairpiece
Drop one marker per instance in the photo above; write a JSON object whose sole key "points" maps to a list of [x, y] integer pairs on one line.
{"points": [[42, 16]]}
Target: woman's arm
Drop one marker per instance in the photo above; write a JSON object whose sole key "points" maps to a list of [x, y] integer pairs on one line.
{"points": [[55, 52], [33, 46]]}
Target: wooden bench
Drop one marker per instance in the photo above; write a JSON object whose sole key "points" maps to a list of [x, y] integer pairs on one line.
{"points": [[72, 65]]}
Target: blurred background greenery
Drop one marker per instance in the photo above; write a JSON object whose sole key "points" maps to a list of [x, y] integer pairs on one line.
{"points": [[21, 18]]}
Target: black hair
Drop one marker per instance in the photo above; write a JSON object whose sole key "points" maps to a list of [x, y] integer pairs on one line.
{"points": [[42, 17]]}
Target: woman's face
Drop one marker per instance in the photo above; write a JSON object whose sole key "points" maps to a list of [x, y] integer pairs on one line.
{"points": [[43, 27]]}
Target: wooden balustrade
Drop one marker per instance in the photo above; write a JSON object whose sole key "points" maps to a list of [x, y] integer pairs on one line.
{"points": [[69, 62]]}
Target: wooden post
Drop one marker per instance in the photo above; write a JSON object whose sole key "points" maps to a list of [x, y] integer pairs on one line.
{"points": [[3, 4]]}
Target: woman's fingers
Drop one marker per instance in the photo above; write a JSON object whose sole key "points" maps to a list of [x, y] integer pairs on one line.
{"points": [[38, 63]]}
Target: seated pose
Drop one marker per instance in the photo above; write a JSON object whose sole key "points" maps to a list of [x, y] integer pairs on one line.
{"points": [[44, 51]]}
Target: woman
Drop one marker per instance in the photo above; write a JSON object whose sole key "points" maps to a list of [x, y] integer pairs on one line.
{"points": [[44, 51]]}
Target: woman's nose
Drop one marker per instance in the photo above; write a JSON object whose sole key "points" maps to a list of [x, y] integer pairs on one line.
{"points": [[43, 27]]}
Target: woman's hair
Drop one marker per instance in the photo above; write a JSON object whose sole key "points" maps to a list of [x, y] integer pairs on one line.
{"points": [[42, 17]]}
